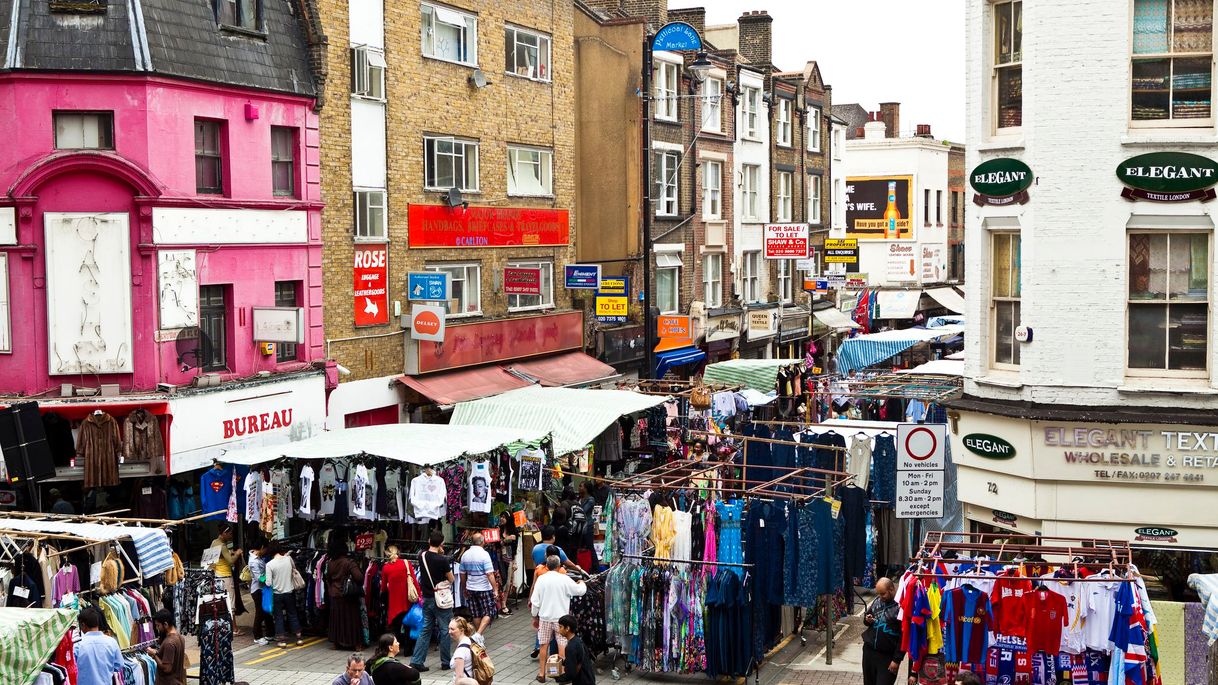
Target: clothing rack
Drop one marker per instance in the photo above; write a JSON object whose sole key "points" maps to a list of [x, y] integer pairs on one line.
{"points": [[139, 647], [1114, 555], [683, 561]]}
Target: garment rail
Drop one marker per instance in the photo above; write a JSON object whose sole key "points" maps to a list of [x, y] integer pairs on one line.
{"points": [[665, 560], [139, 647]]}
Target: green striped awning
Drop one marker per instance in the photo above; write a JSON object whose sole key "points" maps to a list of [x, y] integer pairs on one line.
{"points": [[28, 638], [758, 374]]}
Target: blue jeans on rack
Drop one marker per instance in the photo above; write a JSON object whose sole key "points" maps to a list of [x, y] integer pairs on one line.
{"points": [[285, 613], [433, 617]]}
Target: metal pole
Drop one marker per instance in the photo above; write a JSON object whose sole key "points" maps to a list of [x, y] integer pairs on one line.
{"points": [[649, 324]]}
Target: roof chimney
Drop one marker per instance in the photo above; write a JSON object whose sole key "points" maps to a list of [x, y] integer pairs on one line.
{"points": [[694, 16], [874, 130], [890, 114], [755, 36], [924, 131]]}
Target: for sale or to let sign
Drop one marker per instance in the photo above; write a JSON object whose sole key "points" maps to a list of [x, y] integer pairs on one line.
{"points": [[786, 241]]}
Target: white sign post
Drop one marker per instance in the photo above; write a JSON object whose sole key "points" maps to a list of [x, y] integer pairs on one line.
{"points": [[921, 459]]}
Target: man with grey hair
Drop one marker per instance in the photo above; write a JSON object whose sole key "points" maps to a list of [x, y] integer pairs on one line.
{"points": [[550, 601], [481, 584], [355, 673]]}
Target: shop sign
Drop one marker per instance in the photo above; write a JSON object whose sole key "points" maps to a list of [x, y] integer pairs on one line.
{"points": [[1005, 518], [762, 323], [934, 265], [1000, 182], [427, 322], [442, 226], [676, 36], [278, 324], [841, 250], [856, 281], [1155, 534], [1168, 177], [1130, 453], [521, 281], [794, 327], [723, 327], [673, 326], [614, 285], [613, 299], [786, 241], [428, 286], [988, 446], [371, 276], [495, 341], [902, 262], [583, 276]]}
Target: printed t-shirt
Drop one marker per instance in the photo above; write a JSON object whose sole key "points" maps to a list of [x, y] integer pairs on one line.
{"points": [[215, 488], [306, 490], [327, 480], [968, 618], [1073, 637], [1007, 600]]}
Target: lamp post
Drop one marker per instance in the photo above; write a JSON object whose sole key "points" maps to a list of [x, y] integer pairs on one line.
{"points": [[673, 36]]}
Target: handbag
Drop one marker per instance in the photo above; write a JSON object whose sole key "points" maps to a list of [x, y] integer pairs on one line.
{"points": [[352, 589], [298, 581], [268, 601], [246, 575], [412, 585], [700, 397], [443, 590]]}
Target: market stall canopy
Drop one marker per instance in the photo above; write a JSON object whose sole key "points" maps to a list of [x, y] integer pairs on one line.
{"points": [[835, 319], [28, 638], [897, 304], [939, 367], [575, 416], [948, 297], [151, 544], [862, 351], [459, 386], [756, 398], [422, 444], [758, 374], [572, 368], [681, 356]]}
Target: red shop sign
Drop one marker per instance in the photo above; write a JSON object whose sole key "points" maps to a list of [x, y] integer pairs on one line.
{"points": [[371, 285], [521, 281], [441, 226], [495, 341]]}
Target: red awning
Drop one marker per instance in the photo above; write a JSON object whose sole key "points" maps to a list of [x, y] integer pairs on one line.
{"points": [[571, 368], [459, 386]]}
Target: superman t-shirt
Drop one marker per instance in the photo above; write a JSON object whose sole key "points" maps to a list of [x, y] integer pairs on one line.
{"points": [[215, 489]]}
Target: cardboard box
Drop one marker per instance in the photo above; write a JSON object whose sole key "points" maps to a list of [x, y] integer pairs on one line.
{"points": [[553, 666], [529, 540]]}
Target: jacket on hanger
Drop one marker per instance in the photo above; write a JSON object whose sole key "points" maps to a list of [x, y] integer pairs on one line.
{"points": [[142, 439], [98, 445]]}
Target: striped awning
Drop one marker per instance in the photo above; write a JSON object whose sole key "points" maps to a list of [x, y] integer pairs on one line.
{"points": [[28, 638], [862, 351], [681, 356], [151, 544], [758, 374]]}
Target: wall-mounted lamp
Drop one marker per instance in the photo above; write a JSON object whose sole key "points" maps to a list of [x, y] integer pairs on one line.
{"points": [[700, 67]]}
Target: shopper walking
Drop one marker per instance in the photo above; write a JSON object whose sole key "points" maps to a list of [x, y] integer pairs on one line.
{"points": [[384, 666], [264, 621], [279, 578], [435, 578], [481, 583], [462, 664], [577, 667], [344, 590], [882, 654], [550, 601]]}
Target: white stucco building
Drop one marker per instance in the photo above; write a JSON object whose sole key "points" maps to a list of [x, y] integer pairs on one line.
{"points": [[751, 185]]}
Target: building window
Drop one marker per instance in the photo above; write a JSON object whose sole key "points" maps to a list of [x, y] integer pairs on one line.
{"points": [[239, 13], [939, 207], [784, 122], [209, 161], [545, 300], [450, 35], [750, 103], [1008, 63], [369, 214], [1005, 297], [784, 196], [956, 208], [286, 295], [668, 282], [368, 72], [926, 206], [213, 324], [814, 199], [666, 183], [1173, 45], [450, 163], [530, 171], [283, 160], [526, 53], [712, 105], [786, 290], [84, 130], [465, 281], [750, 177], [814, 129], [750, 279], [666, 76], [1169, 302], [712, 190], [712, 280]]}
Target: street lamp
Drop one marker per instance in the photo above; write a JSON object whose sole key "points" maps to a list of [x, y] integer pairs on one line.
{"points": [[700, 67]]}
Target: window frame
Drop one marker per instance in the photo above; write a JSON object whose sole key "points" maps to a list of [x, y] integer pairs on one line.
{"points": [[783, 211], [546, 66], [6, 308], [286, 352], [469, 44], [1166, 301], [105, 132], [784, 134], [239, 18], [750, 104], [786, 280], [545, 164], [368, 73], [938, 207], [665, 86], [673, 305], [1170, 57], [1015, 274], [218, 154], [292, 134], [465, 267], [211, 312], [360, 228], [814, 129], [712, 279], [546, 299], [712, 193], [712, 103], [749, 208], [430, 150], [814, 199], [662, 180], [1014, 65], [750, 276]]}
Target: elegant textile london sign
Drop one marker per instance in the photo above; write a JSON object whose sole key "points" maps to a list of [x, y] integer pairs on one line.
{"points": [[441, 226], [1001, 181], [1168, 177]]}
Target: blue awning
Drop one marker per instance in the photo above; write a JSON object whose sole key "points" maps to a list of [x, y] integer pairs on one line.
{"points": [[679, 357]]}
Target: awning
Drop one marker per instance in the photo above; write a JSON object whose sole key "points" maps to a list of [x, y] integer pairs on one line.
{"points": [[422, 444], [574, 416], [835, 319], [28, 638], [571, 368], [936, 321], [679, 357], [151, 544], [938, 367], [862, 351], [948, 297], [458, 386], [897, 304], [758, 374]]}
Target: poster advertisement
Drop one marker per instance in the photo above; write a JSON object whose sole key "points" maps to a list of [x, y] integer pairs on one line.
{"points": [[934, 263], [371, 280], [902, 263], [880, 208]]}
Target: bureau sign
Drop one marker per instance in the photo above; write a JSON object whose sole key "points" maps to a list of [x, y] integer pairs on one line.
{"points": [[988, 446], [1168, 177]]}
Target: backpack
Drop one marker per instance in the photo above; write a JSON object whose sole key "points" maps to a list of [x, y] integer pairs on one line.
{"points": [[484, 668], [578, 522]]}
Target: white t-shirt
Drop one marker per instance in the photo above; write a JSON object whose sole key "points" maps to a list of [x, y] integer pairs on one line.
{"points": [[1101, 606], [480, 496], [253, 495], [370, 497], [1073, 637], [466, 654], [428, 495], [327, 479], [359, 492], [306, 486]]}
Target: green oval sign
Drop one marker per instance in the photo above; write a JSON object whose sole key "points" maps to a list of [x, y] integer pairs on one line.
{"points": [[1001, 177], [1168, 172], [1156, 533], [988, 446]]}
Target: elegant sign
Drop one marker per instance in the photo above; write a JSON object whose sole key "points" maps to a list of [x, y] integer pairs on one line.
{"points": [[841, 250], [442, 226], [676, 36], [1168, 177], [1001, 181], [1155, 534], [583, 276], [371, 272], [496, 341], [521, 281], [1131, 453], [786, 241], [988, 446], [880, 208], [427, 322], [428, 286]]}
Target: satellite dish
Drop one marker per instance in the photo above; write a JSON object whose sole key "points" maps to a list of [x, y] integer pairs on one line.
{"points": [[478, 79], [453, 197], [194, 348]]}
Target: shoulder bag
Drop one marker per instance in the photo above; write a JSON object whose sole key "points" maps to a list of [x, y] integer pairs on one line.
{"points": [[443, 590]]}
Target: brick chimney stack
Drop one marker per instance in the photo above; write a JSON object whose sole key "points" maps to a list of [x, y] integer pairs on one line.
{"points": [[654, 11], [755, 36], [694, 16], [890, 114]]}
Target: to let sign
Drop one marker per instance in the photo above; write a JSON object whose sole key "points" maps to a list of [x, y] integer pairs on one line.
{"points": [[786, 241], [371, 285], [1168, 177], [613, 299], [521, 281]]}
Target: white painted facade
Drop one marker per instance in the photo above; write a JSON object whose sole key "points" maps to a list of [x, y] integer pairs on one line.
{"points": [[837, 183], [750, 150], [192, 226]]}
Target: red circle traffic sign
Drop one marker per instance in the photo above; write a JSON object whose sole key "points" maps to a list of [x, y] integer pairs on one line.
{"points": [[934, 444]]}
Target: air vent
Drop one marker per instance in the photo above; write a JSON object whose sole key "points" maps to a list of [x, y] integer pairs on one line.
{"points": [[78, 6]]}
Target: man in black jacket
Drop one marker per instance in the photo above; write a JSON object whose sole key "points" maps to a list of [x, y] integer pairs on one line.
{"points": [[882, 655], [577, 667]]}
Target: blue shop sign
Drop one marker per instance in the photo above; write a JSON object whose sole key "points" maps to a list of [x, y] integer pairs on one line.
{"points": [[677, 36], [583, 276], [427, 285]]}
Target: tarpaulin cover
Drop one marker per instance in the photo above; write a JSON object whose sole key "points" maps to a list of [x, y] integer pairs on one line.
{"points": [[28, 638], [151, 544], [459, 386], [862, 351], [571, 368], [758, 374]]}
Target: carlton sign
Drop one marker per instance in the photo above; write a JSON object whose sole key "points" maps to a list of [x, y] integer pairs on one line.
{"points": [[1168, 177]]}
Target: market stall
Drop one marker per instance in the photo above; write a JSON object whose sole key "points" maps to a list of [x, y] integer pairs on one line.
{"points": [[863, 351], [30, 639]]}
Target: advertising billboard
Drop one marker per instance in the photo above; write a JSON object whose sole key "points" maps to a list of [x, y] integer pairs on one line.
{"points": [[880, 208]]}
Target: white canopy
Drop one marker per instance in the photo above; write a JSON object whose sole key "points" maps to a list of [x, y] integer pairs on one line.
{"points": [[948, 297], [939, 367], [423, 444]]}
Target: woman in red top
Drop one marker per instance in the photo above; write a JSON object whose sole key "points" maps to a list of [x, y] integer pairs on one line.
{"points": [[397, 577]]}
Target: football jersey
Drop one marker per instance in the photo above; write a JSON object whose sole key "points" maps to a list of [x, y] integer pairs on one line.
{"points": [[934, 624], [1007, 600], [1073, 637], [1046, 615], [1101, 607], [968, 618]]}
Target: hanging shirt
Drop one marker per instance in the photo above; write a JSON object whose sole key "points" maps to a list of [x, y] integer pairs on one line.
{"points": [[428, 495], [915, 411], [306, 489], [1101, 606], [858, 461], [393, 483], [327, 479], [359, 491], [1046, 615], [967, 618], [370, 495], [253, 495], [215, 488], [1073, 636], [1007, 598], [480, 487]]}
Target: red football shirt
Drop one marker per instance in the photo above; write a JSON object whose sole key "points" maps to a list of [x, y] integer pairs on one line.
{"points": [[1047, 615], [1007, 600]]}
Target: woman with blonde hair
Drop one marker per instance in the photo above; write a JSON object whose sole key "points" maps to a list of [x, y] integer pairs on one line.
{"points": [[462, 633]]}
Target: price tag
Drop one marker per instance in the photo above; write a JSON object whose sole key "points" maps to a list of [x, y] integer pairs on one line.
{"points": [[146, 490], [490, 535], [837, 507], [761, 523], [22, 592], [363, 541]]}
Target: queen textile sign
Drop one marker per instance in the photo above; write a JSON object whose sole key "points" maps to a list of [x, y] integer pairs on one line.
{"points": [[1001, 181], [1168, 177]]}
